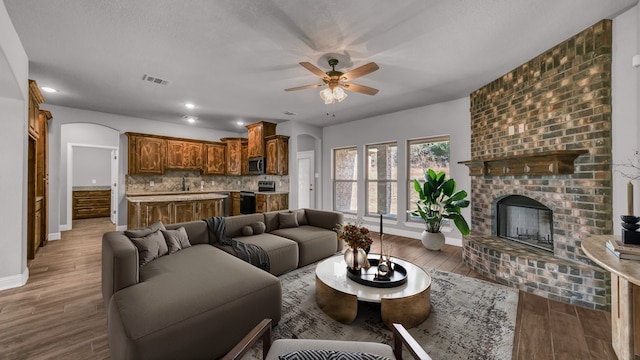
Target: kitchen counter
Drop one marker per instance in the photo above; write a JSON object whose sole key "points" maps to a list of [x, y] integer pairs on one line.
{"points": [[176, 196], [91, 188], [271, 192]]}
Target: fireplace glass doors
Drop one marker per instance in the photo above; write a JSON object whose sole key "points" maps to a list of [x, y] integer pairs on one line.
{"points": [[525, 220]]}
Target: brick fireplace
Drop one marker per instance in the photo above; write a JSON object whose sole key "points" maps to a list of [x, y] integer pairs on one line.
{"points": [[543, 132]]}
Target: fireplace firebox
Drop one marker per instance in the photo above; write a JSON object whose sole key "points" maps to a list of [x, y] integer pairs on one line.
{"points": [[525, 220]]}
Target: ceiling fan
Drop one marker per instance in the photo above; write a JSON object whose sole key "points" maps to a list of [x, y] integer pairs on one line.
{"points": [[337, 81]]}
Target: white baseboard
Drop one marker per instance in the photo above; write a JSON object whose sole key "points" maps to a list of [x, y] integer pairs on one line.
{"points": [[121, 227], [65, 227], [54, 236], [14, 281]]}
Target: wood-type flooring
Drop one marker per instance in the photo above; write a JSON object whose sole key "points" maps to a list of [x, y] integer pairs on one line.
{"points": [[59, 313]]}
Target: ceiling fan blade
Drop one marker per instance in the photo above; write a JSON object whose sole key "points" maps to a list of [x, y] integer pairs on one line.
{"points": [[304, 87], [360, 89], [314, 69], [361, 71]]}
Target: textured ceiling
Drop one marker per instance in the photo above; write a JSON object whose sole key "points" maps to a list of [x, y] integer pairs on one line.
{"points": [[233, 58]]}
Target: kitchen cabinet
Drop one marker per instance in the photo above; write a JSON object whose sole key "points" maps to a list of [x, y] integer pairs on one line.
{"points": [[214, 159], [235, 203], [245, 157], [277, 155], [146, 154], [184, 155], [171, 209], [35, 99], [257, 132], [233, 157], [91, 204], [271, 202]]}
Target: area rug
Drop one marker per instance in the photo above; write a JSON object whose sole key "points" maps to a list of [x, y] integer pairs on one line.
{"points": [[470, 318]]}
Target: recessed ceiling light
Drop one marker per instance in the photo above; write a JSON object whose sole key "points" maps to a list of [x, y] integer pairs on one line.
{"points": [[189, 106], [190, 119], [48, 89], [239, 123]]}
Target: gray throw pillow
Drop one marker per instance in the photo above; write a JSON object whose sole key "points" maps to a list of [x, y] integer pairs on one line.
{"points": [[259, 228], [247, 230], [150, 247], [138, 233], [176, 239], [288, 220]]}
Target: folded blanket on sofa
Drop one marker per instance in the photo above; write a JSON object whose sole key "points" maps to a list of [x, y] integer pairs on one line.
{"points": [[251, 253]]}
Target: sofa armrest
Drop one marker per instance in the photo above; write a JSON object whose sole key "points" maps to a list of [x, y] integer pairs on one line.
{"points": [[260, 331], [120, 264], [323, 218]]}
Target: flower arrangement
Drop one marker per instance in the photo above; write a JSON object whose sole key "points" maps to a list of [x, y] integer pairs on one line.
{"points": [[354, 234]]}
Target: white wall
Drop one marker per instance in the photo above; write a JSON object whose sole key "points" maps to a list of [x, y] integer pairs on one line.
{"points": [[625, 109], [448, 118], [91, 166], [14, 70]]}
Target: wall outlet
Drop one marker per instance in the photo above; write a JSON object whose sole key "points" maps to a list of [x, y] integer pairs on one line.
{"points": [[512, 130], [521, 128], [238, 182], [93, 181], [213, 183], [152, 183], [201, 183]]}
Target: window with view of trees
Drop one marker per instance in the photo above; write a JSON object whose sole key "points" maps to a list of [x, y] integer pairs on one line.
{"points": [[345, 180], [429, 153], [382, 179]]}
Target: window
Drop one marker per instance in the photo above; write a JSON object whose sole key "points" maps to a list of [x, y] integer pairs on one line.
{"points": [[429, 153], [345, 180], [382, 179]]}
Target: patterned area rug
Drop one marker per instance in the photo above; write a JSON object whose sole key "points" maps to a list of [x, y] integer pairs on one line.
{"points": [[470, 318]]}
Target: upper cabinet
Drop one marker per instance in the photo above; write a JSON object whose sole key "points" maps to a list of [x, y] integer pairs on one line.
{"points": [[183, 155], [146, 154], [35, 99], [257, 132], [234, 155], [245, 157], [277, 155], [214, 155]]}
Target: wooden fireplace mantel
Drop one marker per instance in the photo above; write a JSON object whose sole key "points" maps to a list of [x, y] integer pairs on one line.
{"points": [[543, 163]]}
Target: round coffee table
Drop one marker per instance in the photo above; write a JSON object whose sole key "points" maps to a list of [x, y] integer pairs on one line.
{"points": [[338, 296]]}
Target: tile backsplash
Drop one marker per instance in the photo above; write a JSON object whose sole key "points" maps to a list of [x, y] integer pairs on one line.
{"points": [[172, 181]]}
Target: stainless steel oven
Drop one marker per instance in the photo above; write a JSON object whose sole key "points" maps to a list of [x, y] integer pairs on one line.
{"points": [[256, 166], [247, 202]]}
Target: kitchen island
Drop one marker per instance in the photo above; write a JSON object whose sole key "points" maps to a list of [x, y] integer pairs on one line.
{"points": [[172, 207]]}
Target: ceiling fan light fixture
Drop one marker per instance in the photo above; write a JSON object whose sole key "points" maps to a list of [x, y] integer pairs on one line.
{"points": [[339, 94], [327, 96]]}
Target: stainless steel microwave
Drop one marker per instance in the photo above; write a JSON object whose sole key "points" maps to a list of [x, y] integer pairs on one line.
{"points": [[256, 166]]}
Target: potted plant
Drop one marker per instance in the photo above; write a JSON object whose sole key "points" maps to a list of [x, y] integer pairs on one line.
{"points": [[439, 201]]}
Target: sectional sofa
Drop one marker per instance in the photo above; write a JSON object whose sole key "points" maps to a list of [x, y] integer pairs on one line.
{"points": [[200, 300]]}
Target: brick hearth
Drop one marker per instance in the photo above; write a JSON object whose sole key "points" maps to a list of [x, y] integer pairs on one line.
{"points": [[563, 99]]}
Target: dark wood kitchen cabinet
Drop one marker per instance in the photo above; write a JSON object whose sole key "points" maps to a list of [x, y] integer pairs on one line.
{"points": [[184, 155], [257, 132], [277, 155], [271, 202], [233, 157], [146, 154], [214, 159]]}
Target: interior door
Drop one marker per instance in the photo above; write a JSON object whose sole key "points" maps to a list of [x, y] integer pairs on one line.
{"points": [[114, 186], [306, 180]]}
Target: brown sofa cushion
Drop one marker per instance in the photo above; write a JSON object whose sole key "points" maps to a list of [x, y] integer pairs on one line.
{"points": [[176, 239], [150, 247], [287, 220]]}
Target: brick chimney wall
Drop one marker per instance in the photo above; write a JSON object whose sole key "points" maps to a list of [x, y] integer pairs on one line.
{"points": [[563, 99]]}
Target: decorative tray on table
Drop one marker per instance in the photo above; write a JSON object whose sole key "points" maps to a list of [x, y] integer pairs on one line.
{"points": [[369, 277]]}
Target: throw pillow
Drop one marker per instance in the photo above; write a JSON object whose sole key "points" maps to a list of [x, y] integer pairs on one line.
{"points": [[288, 220], [138, 233], [247, 230], [329, 355], [259, 228], [176, 239], [150, 247]]}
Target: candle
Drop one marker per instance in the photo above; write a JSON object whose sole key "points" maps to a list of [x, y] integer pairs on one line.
{"points": [[629, 198], [381, 224]]}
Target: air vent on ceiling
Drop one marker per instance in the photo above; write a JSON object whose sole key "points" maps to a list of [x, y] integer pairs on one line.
{"points": [[155, 80]]}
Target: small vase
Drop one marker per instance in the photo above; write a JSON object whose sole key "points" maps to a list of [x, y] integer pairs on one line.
{"points": [[432, 241], [356, 259]]}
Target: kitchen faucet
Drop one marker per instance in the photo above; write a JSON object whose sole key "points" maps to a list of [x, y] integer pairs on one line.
{"points": [[184, 184]]}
